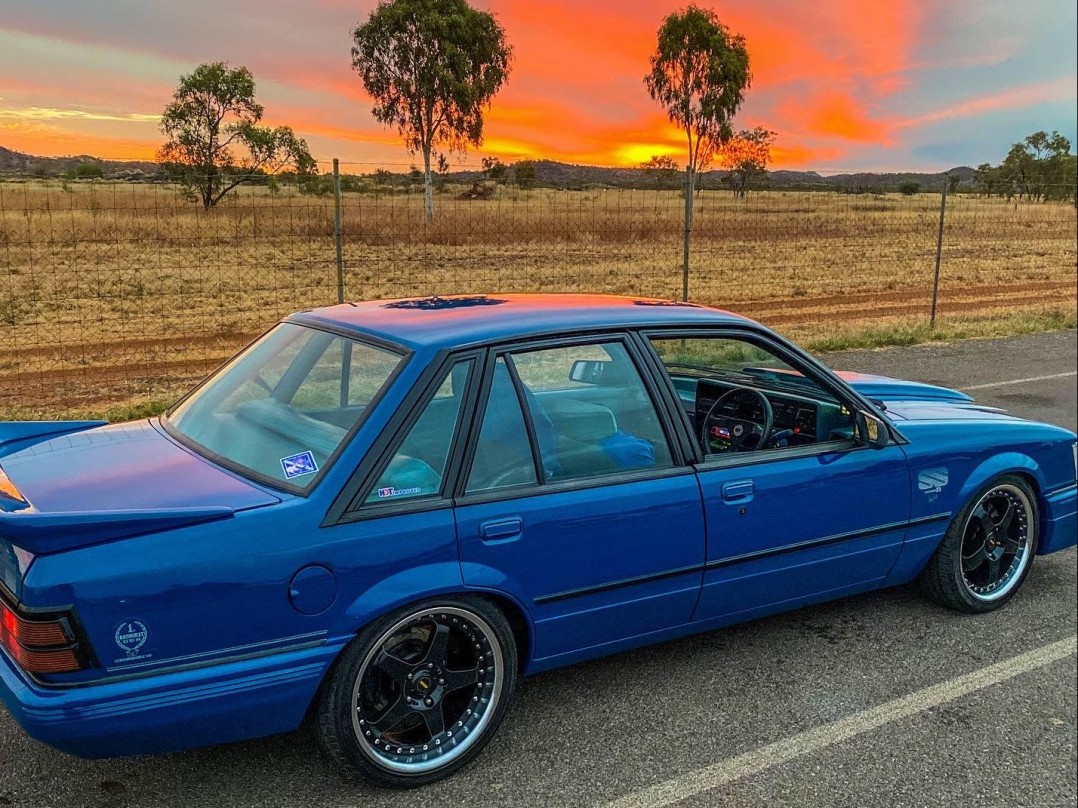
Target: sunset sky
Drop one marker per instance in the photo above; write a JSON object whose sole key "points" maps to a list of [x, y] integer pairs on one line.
{"points": [[847, 84]]}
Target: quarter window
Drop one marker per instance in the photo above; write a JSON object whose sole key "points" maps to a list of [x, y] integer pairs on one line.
{"points": [[503, 455], [418, 466]]}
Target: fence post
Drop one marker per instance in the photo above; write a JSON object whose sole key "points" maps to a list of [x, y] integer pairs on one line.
{"points": [[337, 230], [688, 230], [939, 251]]}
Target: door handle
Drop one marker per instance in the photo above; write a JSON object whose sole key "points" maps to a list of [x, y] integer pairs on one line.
{"points": [[501, 529], [740, 491]]}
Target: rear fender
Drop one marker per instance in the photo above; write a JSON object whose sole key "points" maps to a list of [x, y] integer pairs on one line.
{"points": [[422, 584]]}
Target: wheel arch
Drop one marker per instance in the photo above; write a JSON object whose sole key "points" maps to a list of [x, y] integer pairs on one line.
{"points": [[358, 619], [1016, 463]]}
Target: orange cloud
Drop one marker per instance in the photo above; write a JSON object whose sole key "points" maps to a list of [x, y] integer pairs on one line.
{"points": [[838, 115]]}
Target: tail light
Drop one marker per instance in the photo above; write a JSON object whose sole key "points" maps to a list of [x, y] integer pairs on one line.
{"points": [[40, 644]]}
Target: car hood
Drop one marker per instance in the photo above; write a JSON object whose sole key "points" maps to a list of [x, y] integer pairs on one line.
{"points": [[916, 401], [113, 482]]}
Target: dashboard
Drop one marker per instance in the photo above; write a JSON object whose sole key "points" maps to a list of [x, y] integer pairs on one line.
{"points": [[799, 415]]}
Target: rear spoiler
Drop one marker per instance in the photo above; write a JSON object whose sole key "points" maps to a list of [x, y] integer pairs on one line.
{"points": [[42, 533]]}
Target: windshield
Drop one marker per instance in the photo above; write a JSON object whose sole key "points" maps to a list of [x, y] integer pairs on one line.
{"points": [[283, 407]]}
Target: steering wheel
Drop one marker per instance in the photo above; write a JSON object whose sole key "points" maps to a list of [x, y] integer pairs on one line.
{"points": [[724, 433]]}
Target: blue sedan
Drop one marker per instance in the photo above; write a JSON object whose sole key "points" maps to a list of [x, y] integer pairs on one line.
{"points": [[379, 515]]}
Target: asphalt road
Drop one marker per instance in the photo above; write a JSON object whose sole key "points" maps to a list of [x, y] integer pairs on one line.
{"points": [[878, 700]]}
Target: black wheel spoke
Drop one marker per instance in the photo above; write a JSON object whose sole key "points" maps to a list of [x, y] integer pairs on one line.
{"points": [[1007, 519], [439, 645], [973, 562], [993, 570], [455, 680], [435, 720], [396, 713], [394, 667]]}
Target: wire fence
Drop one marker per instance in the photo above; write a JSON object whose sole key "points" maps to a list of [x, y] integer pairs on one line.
{"points": [[120, 292]]}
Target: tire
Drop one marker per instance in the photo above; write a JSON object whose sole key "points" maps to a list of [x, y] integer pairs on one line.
{"points": [[988, 549], [419, 693]]}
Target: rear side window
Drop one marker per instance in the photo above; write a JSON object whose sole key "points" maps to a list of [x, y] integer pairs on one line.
{"points": [[588, 411]]}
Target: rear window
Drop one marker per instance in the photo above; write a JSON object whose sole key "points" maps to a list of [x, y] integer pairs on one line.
{"points": [[283, 407]]}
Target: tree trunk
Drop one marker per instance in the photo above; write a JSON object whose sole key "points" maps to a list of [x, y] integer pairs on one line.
{"points": [[428, 186]]}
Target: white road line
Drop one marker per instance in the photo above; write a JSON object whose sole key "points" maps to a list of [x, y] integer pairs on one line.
{"points": [[1019, 381], [697, 782]]}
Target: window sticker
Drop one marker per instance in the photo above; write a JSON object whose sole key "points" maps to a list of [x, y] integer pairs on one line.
{"points": [[398, 492], [298, 465]]}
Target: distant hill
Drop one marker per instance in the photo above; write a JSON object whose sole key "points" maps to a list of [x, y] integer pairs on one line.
{"points": [[548, 173], [17, 163], [552, 174]]}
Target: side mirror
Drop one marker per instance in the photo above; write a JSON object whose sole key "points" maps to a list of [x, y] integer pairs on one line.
{"points": [[587, 371], [871, 431]]}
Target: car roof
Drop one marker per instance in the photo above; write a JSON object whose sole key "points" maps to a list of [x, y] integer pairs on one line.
{"points": [[460, 320]]}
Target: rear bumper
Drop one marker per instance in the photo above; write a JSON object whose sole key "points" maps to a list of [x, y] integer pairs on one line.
{"points": [[170, 711], [1060, 526]]}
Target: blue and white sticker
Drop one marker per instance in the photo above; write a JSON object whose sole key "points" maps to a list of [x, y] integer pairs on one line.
{"points": [[298, 464], [931, 482]]}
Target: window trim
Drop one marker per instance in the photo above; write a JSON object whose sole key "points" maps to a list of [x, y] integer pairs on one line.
{"points": [[679, 463], [349, 505], [255, 476], [529, 418], [793, 356]]}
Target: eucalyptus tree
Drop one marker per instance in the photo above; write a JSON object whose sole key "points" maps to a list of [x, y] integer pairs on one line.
{"points": [[699, 74], [432, 68], [215, 141]]}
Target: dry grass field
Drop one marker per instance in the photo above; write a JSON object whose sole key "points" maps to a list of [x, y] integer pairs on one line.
{"points": [[115, 293]]}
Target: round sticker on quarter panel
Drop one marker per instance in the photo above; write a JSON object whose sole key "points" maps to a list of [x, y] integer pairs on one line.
{"points": [[312, 590]]}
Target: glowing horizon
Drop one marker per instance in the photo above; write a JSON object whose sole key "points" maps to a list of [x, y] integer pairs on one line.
{"points": [[896, 86]]}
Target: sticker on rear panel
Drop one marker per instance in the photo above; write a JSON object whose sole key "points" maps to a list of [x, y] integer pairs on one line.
{"points": [[131, 635], [298, 464]]}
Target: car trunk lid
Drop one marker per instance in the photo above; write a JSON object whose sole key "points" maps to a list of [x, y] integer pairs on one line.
{"points": [[114, 482]]}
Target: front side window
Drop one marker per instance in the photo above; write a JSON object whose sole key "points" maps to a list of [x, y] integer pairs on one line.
{"points": [[418, 466], [283, 407], [742, 397]]}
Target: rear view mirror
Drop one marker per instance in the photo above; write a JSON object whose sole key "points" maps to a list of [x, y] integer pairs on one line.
{"points": [[587, 371], [871, 431]]}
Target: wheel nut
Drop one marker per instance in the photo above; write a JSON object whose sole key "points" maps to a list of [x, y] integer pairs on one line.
{"points": [[429, 702]]}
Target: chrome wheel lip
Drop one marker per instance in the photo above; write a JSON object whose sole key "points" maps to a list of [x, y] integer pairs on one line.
{"points": [[424, 762], [1012, 576]]}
